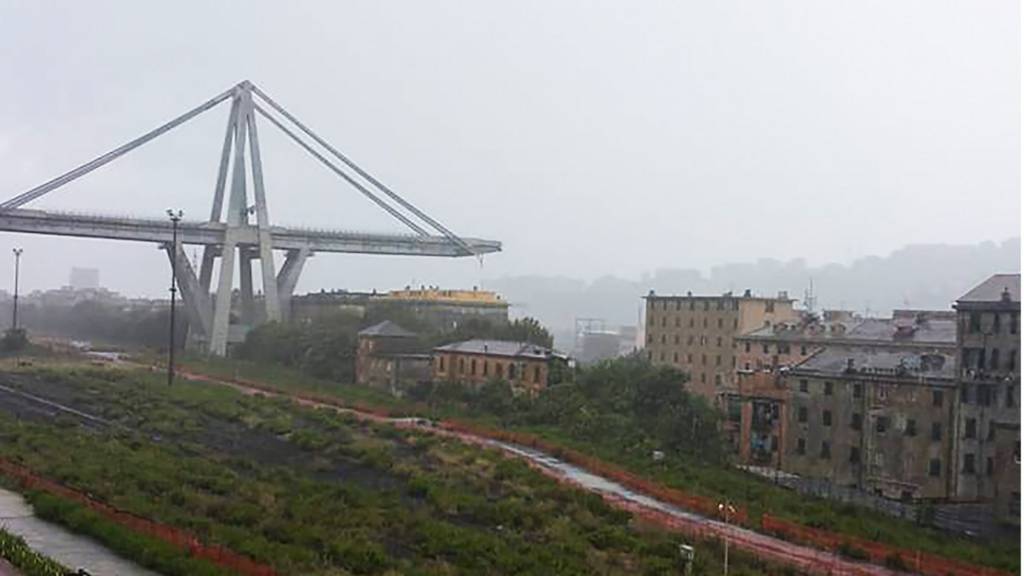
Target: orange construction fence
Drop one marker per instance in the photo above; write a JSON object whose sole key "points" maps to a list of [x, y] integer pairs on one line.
{"points": [[178, 538]]}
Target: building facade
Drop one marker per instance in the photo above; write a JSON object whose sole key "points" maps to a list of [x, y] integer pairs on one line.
{"points": [[988, 371], [388, 357], [874, 419], [697, 334], [527, 367]]}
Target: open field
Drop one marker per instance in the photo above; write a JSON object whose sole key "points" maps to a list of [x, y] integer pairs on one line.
{"points": [[315, 492], [720, 483]]}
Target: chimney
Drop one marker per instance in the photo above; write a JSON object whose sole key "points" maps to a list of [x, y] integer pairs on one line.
{"points": [[746, 293], [1006, 294], [849, 365]]}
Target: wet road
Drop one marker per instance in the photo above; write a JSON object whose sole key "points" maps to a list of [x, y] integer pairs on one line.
{"points": [[69, 549]]}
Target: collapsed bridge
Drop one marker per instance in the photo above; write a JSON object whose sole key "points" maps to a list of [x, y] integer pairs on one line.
{"points": [[239, 233]]}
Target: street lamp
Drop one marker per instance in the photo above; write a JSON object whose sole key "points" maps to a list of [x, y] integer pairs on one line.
{"points": [[17, 270], [726, 510], [175, 219]]}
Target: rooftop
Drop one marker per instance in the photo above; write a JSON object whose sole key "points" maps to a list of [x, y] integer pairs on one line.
{"points": [[992, 290], [880, 361], [906, 326], [747, 295], [501, 348], [387, 329]]}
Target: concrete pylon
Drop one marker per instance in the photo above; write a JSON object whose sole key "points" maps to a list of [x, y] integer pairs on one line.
{"points": [[241, 130]]}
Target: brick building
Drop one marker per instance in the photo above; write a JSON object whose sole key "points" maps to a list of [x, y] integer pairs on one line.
{"points": [[527, 367], [697, 334], [988, 370]]}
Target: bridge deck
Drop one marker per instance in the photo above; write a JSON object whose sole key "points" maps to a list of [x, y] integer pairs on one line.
{"points": [[212, 233]]}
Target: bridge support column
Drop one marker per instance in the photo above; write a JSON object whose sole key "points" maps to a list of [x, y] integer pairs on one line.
{"points": [[198, 308], [248, 315], [288, 277]]}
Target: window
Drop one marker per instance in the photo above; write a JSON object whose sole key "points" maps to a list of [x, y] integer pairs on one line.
{"points": [[691, 322], [968, 463], [858, 390], [678, 306], [911, 428], [801, 446], [499, 369], [703, 359], [650, 338], [993, 363], [719, 322], [718, 379], [991, 430], [663, 319], [934, 467], [691, 308], [936, 431], [783, 348], [707, 306], [719, 342], [512, 371], [936, 397], [689, 358], [996, 323], [705, 322], [828, 388], [857, 422], [462, 365], [801, 414], [826, 417], [663, 339], [1009, 396], [965, 394], [764, 348], [1014, 319], [703, 378], [675, 357], [746, 366], [440, 364], [718, 360], [970, 428], [703, 339], [677, 321], [735, 323], [881, 424], [854, 455], [975, 323], [990, 466], [536, 374], [472, 366], [1012, 364], [769, 306], [746, 346], [826, 450], [803, 350], [677, 338], [803, 385], [485, 367]]}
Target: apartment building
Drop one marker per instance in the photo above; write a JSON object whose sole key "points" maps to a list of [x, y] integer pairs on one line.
{"points": [[697, 334], [525, 366], [988, 372]]}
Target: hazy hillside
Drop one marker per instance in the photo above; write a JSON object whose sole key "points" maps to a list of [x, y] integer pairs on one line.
{"points": [[918, 276]]}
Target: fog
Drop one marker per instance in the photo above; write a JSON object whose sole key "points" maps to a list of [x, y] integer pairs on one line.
{"points": [[592, 138]]}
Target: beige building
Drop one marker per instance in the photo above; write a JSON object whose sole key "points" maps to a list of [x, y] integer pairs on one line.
{"points": [[389, 357], [697, 334]]}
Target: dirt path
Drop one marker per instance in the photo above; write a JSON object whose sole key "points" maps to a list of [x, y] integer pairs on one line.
{"points": [[646, 507]]}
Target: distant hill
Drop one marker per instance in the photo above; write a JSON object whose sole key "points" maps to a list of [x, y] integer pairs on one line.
{"points": [[916, 276]]}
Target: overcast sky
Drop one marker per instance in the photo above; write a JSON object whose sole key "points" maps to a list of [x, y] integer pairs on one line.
{"points": [[589, 137]]}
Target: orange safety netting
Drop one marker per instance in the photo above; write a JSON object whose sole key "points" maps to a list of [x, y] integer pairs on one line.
{"points": [[179, 538]]}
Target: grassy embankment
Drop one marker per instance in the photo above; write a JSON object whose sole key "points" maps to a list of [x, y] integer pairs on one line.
{"points": [[713, 481], [315, 492]]}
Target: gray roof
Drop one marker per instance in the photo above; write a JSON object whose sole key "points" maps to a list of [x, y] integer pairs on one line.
{"points": [[501, 348], [387, 329], [840, 360], [921, 327], [991, 290]]}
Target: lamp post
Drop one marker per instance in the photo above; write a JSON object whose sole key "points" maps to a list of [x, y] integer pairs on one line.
{"points": [[17, 271], [726, 510], [175, 219]]}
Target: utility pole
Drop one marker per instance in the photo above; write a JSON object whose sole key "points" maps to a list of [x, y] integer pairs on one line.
{"points": [[17, 271], [726, 509], [175, 218]]}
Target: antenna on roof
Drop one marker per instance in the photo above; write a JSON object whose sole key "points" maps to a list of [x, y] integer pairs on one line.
{"points": [[809, 299]]}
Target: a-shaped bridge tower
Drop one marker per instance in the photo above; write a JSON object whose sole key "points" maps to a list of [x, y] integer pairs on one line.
{"points": [[241, 232]]}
